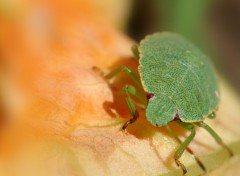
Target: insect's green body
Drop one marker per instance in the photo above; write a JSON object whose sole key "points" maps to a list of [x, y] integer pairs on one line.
{"points": [[181, 78], [181, 85]]}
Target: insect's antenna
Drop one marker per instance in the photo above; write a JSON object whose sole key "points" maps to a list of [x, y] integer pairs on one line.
{"points": [[198, 161]]}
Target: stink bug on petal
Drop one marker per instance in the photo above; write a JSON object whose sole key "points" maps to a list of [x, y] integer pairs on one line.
{"points": [[180, 84]]}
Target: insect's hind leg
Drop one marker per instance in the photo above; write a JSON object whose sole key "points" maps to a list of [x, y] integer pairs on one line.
{"points": [[130, 90], [188, 149], [184, 145], [215, 136]]}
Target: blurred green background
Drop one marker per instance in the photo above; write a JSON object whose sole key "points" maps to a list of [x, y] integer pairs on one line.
{"points": [[213, 25]]}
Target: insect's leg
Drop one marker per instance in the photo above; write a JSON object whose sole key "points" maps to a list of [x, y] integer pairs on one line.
{"points": [[135, 51], [215, 136], [188, 149], [130, 90], [212, 115], [126, 70], [184, 145], [133, 112], [98, 71]]}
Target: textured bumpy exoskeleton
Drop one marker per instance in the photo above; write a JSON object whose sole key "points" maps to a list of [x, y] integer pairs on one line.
{"points": [[180, 84]]}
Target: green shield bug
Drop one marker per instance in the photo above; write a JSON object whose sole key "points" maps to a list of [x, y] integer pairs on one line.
{"points": [[180, 84]]}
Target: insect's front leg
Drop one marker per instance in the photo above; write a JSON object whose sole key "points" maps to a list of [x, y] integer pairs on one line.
{"points": [[135, 51], [127, 71], [130, 90], [133, 111], [98, 71], [116, 71]]}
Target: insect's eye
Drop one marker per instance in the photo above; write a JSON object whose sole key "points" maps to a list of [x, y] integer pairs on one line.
{"points": [[176, 117], [150, 95]]}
